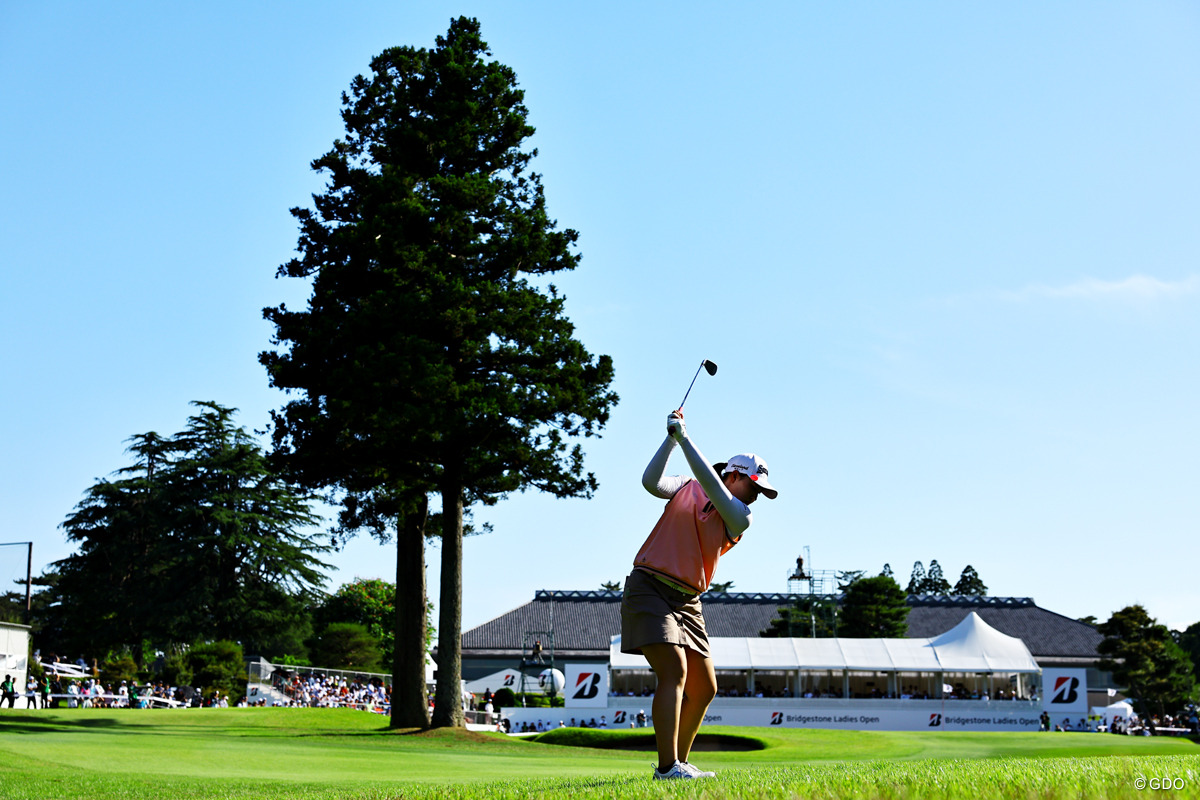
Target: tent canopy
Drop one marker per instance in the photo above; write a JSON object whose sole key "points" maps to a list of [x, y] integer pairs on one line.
{"points": [[970, 646]]}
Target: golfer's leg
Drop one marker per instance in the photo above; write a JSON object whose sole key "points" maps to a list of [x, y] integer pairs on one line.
{"points": [[699, 688], [670, 667]]}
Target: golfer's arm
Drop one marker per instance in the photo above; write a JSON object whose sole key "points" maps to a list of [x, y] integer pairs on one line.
{"points": [[735, 513], [653, 479]]}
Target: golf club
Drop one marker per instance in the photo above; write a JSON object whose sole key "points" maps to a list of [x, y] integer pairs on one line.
{"points": [[705, 365]]}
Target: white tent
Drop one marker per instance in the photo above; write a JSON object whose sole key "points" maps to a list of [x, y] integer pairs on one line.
{"points": [[970, 646], [974, 646]]}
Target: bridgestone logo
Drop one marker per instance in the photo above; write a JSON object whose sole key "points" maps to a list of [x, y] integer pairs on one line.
{"points": [[1065, 690], [587, 686]]}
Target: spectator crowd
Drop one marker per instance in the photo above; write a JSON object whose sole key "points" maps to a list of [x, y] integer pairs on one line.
{"points": [[320, 690]]}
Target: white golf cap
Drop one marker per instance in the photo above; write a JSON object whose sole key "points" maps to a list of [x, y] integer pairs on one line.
{"points": [[755, 469]]}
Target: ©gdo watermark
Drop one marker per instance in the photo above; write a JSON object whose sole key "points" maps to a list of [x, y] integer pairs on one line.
{"points": [[1158, 783]]}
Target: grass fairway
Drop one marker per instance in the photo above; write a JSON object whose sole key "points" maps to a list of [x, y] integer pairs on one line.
{"points": [[328, 753]]}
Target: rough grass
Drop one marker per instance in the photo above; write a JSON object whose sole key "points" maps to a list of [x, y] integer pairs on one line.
{"points": [[319, 753]]}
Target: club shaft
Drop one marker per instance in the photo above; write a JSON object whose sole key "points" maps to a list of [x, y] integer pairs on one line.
{"points": [[690, 385]]}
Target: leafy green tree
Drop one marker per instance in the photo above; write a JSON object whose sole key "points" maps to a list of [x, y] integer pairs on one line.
{"points": [[176, 670], [425, 351], [610, 586], [346, 645], [1143, 656], [969, 583], [809, 616], [721, 586], [935, 581], [1090, 619], [218, 667], [916, 582], [874, 608], [887, 570], [198, 538], [253, 556], [117, 668], [1189, 640], [369, 602]]}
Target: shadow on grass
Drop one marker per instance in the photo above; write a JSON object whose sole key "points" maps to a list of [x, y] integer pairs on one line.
{"points": [[447, 736], [33, 723]]}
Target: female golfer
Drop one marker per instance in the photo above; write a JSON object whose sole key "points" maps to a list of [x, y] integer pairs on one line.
{"points": [[660, 611]]}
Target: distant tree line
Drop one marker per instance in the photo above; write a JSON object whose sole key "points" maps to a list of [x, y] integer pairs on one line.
{"points": [[934, 581]]}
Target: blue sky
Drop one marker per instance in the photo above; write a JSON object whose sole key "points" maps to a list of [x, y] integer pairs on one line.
{"points": [[945, 255]]}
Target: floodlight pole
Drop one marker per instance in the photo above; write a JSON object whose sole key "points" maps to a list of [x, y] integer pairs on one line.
{"points": [[28, 577]]}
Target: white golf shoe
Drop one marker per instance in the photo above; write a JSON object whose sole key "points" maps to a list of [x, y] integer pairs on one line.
{"points": [[676, 772], [696, 771]]}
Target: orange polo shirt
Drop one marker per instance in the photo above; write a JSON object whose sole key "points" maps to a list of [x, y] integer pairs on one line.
{"points": [[687, 542]]}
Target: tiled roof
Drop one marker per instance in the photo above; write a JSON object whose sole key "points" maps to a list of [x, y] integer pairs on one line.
{"points": [[584, 621]]}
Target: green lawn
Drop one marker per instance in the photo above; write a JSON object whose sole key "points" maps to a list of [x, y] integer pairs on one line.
{"points": [[327, 753]]}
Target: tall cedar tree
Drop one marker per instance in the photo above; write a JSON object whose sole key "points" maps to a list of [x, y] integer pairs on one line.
{"points": [[969, 583], [935, 580], [396, 505], [916, 581], [197, 540], [426, 358]]}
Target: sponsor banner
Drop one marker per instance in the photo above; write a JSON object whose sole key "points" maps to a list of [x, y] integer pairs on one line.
{"points": [[861, 718], [587, 685], [996, 716], [1064, 690]]}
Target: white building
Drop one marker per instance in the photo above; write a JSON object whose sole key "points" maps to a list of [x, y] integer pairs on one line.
{"points": [[14, 653]]}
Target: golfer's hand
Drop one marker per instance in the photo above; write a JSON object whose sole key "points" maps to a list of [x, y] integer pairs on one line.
{"points": [[675, 426]]}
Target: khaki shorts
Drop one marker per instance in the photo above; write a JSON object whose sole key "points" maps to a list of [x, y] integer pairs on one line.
{"points": [[654, 613]]}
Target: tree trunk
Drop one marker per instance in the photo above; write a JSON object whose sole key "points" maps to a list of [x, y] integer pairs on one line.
{"points": [[410, 701], [448, 709]]}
